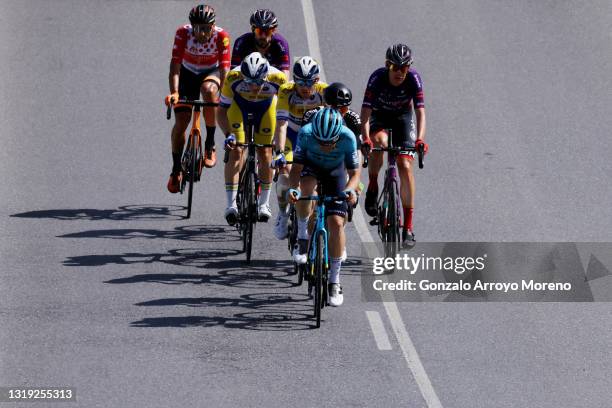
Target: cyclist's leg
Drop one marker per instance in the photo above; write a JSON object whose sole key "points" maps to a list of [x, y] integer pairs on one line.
{"points": [[378, 124], [333, 184], [404, 129], [232, 167], [282, 184], [264, 134], [210, 93], [303, 209]]}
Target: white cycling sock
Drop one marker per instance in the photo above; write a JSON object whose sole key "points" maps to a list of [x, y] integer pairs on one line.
{"points": [[231, 191], [264, 197], [302, 228], [334, 270]]}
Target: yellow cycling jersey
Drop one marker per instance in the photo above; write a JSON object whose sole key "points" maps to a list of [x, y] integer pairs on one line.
{"points": [[235, 87], [291, 106]]}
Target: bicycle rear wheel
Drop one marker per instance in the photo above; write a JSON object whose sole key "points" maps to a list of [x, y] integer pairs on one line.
{"points": [[319, 271]]}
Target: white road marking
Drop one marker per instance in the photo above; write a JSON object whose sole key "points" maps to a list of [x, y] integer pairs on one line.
{"points": [[409, 351], [378, 328]]}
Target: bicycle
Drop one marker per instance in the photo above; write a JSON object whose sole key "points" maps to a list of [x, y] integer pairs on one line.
{"points": [[317, 265], [292, 229], [192, 159], [248, 188], [389, 201]]}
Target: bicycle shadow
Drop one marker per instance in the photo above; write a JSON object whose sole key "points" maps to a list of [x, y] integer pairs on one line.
{"points": [[265, 311], [122, 213], [262, 274], [193, 233]]}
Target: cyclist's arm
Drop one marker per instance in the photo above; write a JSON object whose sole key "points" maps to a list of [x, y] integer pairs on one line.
{"points": [[420, 119], [173, 77], [222, 74], [222, 120], [280, 135], [353, 181], [365, 122], [294, 175]]}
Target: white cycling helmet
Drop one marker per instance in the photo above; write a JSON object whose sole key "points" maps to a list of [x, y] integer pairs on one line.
{"points": [[306, 69], [254, 67]]}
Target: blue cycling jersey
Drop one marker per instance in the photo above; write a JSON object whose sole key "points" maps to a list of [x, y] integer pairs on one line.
{"points": [[308, 150]]}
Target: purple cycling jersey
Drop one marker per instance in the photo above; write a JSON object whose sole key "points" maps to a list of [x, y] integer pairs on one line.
{"points": [[380, 95], [277, 53]]}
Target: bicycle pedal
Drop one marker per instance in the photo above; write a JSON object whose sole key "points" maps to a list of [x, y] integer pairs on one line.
{"points": [[374, 221]]}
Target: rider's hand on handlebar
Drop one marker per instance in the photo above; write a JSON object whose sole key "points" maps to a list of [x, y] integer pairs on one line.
{"points": [[420, 142], [293, 195], [351, 196], [279, 161], [230, 142], [366, 146], [171, 99]]}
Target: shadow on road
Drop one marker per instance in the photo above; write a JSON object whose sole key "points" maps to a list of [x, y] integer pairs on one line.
{"points": [[265, 311], [261, 274], [123, 213], [196, 233]]}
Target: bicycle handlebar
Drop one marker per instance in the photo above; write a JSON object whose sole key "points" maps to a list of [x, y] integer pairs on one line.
{"points": [[197, 102], [420, 153]]}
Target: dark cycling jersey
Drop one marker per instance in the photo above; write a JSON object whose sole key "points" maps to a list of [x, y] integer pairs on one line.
{"points": [[277, 53], [308, 150], [351, 120], [380, 95]]}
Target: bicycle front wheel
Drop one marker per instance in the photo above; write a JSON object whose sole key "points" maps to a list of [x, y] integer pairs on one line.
{"points": [[319, 272], [192, 169], [392, 230], [250, 215]]}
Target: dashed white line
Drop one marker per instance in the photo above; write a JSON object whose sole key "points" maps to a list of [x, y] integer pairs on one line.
{"points": [[378, 328], [408, 350]]}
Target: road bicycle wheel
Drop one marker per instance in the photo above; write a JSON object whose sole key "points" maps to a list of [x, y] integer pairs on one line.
{"points": [[251, 214], [393, 237], [318, 284], [192, 170]]}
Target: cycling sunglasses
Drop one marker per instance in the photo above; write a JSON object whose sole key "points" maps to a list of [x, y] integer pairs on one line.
{"points": [[203, 28], [305, 82], [263, 31], [257, 82], [403, 68]]}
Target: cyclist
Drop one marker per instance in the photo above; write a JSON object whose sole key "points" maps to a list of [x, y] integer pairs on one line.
{"points": [[294, 99], [391, 95], [200, 60], [339, 96], [250, 88], [326, 151], [264, 39]]}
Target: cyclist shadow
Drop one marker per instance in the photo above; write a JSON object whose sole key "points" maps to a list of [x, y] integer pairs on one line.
{"points": [[122, 213], [194, 233], [231, 273], [264, 311]]}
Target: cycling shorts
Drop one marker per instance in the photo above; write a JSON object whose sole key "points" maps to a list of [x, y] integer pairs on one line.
{"points": [[264, 118], [190, 85], [401, 125], [333, 183], [290, 143]]}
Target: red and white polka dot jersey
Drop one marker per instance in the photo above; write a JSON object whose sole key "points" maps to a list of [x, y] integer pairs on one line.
{"points": [[201, 57]]}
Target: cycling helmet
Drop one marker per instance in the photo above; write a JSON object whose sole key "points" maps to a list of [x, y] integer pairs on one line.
{"points": [[399, 54], [337, 94], [202, 14], [306, 69], [264, 19], [326, 125], [254, 67]]}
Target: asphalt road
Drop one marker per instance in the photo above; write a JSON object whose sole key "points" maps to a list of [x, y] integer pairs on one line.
{"points": [[104, 287]]}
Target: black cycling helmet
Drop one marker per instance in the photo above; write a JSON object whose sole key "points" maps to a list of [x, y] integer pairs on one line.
{"points": [[202, 14], [264, 19], [399, 54], [337, 94]]}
